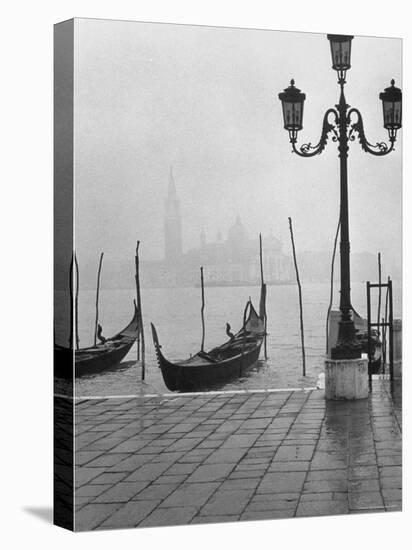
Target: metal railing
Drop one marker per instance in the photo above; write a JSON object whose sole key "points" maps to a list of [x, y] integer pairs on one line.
{"points": [[384, 323]]}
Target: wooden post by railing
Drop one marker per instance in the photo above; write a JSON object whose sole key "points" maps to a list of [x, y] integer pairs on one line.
{"points": [[302, 337], [368, 309], [379, 291], [97, 299], [390, 328], [385, 329]]}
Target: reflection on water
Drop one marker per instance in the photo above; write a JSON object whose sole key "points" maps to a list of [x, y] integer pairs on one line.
{"points": [[176, 314]]}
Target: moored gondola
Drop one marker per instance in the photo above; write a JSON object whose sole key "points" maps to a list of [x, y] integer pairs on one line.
{"points": [[374, 347], [94, 359], [206, 370], [221, 364]]}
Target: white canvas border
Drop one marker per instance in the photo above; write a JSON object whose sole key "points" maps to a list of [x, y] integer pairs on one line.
{"points": [[27, 265]]}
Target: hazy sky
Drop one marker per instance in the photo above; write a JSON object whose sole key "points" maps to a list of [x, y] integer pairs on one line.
{"points": [[205, 100]]}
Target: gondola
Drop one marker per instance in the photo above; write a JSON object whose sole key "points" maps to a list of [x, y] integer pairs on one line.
{"points": [[374, 347], [104, 356], [221, 364]]}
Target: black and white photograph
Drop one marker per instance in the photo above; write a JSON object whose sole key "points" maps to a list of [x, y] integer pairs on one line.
{"points": [[227, 274]]}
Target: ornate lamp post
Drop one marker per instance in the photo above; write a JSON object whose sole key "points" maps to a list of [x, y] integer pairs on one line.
{"points": [[344, 123]]}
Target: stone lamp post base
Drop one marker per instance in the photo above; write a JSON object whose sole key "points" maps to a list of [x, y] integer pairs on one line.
{"points": [[346, 379]]}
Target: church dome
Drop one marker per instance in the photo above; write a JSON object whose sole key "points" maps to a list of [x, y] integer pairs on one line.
{"points": [[237, 241], [237, 233]]}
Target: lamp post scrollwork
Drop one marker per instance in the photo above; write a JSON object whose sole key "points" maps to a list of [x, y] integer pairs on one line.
{"points": [[344, 124]]}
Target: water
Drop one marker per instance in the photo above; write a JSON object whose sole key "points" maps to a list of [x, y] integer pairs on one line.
{"points": [[176, 315]]}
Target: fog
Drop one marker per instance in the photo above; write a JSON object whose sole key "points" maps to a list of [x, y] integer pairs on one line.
{"points": [[205, 101]]}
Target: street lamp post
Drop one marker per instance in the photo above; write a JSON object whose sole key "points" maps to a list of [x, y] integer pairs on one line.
{"points": [[344, 123]]}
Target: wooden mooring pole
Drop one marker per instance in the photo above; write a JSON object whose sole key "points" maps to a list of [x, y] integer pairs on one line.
{"points": [[202, 309], [76, 304], [332, 272], [262, 282], [136, 278], [71, 334], [97, 299], [300, 299], [141, 352]]}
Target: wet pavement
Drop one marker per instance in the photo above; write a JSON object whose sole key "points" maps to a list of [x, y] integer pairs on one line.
{"points": [[182, 459]]}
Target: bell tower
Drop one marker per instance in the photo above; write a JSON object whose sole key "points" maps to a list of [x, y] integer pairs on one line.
{"points": [[173, 224]]}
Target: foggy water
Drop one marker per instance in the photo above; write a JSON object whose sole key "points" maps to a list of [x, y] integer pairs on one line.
{"points": [[176, 315]]}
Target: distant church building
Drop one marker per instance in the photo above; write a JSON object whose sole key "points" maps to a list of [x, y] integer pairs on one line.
{"points": [[172, 225], [230, 262]]}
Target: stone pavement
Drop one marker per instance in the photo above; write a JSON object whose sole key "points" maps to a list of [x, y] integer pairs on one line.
{"points": [[180, 459]]}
